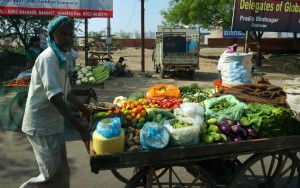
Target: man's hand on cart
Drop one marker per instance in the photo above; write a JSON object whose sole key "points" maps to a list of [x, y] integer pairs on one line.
{"points": [[85, 137]]}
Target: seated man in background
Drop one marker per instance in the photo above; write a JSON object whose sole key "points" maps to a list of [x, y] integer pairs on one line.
{"points": [[120, 68], [109, 65]]}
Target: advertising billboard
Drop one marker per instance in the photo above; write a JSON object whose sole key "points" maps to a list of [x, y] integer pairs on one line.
{"points": [[71, 8], [266, 15]]}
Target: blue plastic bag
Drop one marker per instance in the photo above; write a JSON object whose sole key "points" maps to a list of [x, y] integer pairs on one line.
{"points": [[154, 136], [109, 127]]}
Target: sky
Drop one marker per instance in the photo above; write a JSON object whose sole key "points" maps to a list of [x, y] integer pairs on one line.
{"points": [[127, 16]]}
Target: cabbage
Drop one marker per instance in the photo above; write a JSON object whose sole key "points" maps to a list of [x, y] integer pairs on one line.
{"points": [[92, 80], [89, 74], [78, 82], [77, 68], [88, 68], [84, 70], [80, 76], [84, 80]]}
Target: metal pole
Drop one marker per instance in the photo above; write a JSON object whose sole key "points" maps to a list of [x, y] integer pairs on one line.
{"points": [[109, 37], [86, 42], [143, 34], [246, 49]]}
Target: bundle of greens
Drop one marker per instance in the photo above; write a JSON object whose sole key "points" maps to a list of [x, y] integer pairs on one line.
{"points": [[193, 93], [270, 121]]}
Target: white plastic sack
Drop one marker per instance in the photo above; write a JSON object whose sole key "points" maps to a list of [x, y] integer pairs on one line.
{"points": [[292, 89], [189, 109], [236, 68], [186, 135]]}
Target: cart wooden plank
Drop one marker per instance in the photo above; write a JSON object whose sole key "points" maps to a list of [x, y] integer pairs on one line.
{"points": [[193, 153]]}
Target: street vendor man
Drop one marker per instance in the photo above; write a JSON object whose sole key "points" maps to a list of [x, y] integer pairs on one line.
{"points": [[46, 108]]}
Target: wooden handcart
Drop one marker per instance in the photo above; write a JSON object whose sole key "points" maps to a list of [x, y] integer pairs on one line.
{"points": [[268, 162]]}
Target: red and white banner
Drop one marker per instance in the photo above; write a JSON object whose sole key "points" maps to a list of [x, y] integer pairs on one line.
{"points": [[71, 8]]}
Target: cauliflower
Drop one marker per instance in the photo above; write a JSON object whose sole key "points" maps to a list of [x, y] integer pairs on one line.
{"points": [[88, 68], [120, 100], [78, 82], [84, 70], [84, 80], [92, 80], [80, 76]]}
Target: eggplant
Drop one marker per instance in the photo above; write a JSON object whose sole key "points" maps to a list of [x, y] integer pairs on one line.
{"points": [[243, 132], [235, 128], [248, 137], [237, 138], [226, 122], [239, 123], [224, 128], [229, 139], [252, 132]]}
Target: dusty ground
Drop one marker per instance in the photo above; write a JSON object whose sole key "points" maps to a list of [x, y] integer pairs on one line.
{"points": [[272, 66]]}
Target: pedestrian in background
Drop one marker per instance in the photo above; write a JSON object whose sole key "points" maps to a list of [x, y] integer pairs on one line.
{"points": [[33, 51]]}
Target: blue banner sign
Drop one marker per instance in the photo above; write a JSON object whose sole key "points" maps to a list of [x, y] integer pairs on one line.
{"points": [[227, 33]]}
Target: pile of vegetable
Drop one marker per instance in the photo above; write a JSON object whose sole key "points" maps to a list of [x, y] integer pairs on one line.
{"points": [[23, 82], [226, 118], [227, 131], [193, 93], [84, 75], [90, 75], [270, 121], [100, 73]]}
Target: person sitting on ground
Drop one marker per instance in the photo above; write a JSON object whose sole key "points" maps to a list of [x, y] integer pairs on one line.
{"points": [[34, 51], [120, 67], [230, 50], [109, 65]]}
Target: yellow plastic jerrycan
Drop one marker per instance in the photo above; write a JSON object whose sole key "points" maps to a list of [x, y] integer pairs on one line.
{"points": [[109, 138]]}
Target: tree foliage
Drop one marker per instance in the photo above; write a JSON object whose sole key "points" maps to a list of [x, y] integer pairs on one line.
{"points": [[208, 14], [18, 29], [14, 29]]}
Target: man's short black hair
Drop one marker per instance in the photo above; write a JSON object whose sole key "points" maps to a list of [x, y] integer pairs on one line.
{"points": [[34, 38], [121, 59]]}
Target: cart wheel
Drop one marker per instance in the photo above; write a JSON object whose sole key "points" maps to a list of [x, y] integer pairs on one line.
{"points": [[181, 175], [119, 173], [268, 170], [16, 108], [157, 68]]}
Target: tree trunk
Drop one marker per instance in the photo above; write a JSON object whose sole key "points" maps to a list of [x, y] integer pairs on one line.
{"points": [[257, 36]]}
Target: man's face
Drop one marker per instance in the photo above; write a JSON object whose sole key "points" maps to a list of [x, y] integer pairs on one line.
{"points": [[63, 36]]}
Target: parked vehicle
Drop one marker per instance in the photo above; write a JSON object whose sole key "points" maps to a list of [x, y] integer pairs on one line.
{"points": [[176, 50]]}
